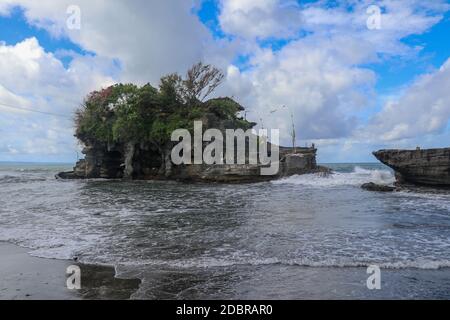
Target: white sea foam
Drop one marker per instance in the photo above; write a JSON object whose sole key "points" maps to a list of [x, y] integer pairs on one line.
{"points": [[162, 225], [356, 178], [211, 262]]}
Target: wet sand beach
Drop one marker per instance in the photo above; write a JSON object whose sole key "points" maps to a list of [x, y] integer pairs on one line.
{"points": [[23, 277]]}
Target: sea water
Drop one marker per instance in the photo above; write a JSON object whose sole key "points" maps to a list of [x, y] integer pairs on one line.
{"points": [[301, 237]]}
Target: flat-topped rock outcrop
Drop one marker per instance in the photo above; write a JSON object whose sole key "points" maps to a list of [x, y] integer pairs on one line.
{"points": [[420, 166]]}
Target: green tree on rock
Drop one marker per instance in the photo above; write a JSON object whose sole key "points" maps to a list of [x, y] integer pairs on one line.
{"points": [[127, 114]]}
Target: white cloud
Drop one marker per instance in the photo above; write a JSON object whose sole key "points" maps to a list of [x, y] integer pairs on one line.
{"points": [[29, 71], [36, 80], [398, 20], [7, 99], [149, 38], [260, 19], [313, 80], [320, 74], [423, 109]]}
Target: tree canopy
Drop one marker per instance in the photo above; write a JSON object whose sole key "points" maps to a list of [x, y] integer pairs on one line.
{"points": [[126, 113]]}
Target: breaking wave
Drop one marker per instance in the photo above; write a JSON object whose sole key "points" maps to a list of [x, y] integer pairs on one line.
{"points": [[358, 177], [422, 264]]}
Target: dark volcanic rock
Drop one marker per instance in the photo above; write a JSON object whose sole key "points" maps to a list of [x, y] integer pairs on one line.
{"points": [[421, 167], [67, 175], [143, 161], [377, 187]]}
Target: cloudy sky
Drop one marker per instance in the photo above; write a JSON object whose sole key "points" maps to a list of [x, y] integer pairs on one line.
{"points": [[355, 80]]}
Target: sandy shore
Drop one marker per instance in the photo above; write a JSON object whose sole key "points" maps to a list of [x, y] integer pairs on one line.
{"points": [[23, 277]]}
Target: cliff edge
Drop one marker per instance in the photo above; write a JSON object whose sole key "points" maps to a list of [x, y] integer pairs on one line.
{"points": [[421, 166]]}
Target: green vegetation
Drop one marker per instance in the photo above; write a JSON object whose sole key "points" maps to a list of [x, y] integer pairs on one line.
{"points": [[128, 113]]}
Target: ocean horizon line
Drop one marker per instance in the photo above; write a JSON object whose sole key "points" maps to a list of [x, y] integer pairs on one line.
{"points": [[36, 162]]}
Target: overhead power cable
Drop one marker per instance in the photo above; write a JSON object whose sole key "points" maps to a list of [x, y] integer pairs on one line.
{"points": [[35, 111]]}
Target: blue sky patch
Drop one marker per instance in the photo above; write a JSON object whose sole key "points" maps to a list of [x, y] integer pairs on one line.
{"points": [[14, 29]]}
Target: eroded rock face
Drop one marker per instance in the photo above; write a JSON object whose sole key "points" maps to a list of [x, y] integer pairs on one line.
{"points": [[422, 167], [146, 162], [100, 162]]}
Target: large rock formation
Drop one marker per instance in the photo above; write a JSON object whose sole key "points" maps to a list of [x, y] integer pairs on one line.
{"points": [[146, 163], [422, 167], [127, 131]]}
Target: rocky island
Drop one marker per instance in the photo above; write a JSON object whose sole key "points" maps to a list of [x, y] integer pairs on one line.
{"points": [[126, 132], [420, 167]]}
